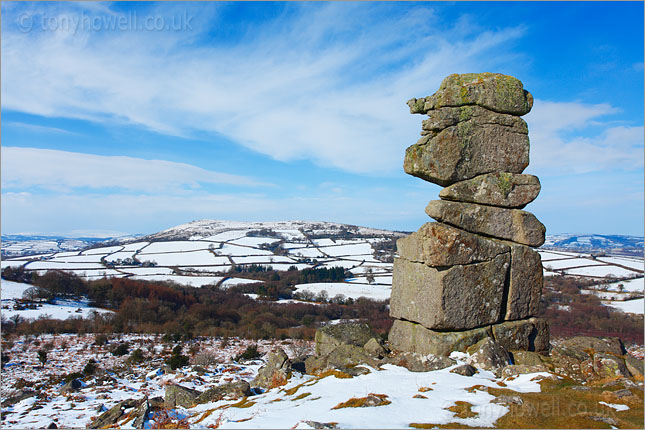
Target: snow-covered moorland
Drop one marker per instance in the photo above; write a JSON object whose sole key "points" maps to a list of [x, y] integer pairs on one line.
{"points": [[305, 401]]}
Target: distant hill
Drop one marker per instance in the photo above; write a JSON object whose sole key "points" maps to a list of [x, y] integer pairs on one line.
{"points": [[18, 245], [596, 243]]}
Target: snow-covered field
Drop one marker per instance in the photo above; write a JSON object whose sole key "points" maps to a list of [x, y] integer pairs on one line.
{"points": [[59, 309], [636, 306], [349, 290], [199, 247], [415, 397], [203, 252]]}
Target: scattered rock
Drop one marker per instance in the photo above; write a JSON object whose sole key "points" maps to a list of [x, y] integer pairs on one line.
{"points": [[412, 337], [457, 298], [354, 370], [440, 245], [634, 365], [508, 400], [488, 355], [317, 425], [622, 393], [276, 372], [494, 91], [176, 395], [112, 415], [52, 426], [331, 336], [415, 362], [73, 385], [612, 345], [526, 358], [349, 355], [465, 370], [19, 396], [606, 365], [604, 419], [230, 390], [508, 190], [520, 369], [375, 348], [141, 414], [529, 335], [511, 224]]}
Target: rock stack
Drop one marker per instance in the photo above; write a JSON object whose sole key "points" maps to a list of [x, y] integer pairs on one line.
{"points": [[473, 274]]}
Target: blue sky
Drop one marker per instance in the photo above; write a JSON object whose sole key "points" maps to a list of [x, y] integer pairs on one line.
{"points": [[135, 117]]}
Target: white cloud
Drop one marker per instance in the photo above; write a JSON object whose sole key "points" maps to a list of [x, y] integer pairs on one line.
{"points": [[570, 138], [327, 82], [56, 170], [144, 213]]}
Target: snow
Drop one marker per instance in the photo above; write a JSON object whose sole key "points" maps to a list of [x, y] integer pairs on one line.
{"points": [[635, 306], [176, 246], [631, 285], [605, 295], [105, 250], [70, 353], [307, 252], [627, 262], [53, 265], [324, 242], [12, 263], [618, 407], [570, 262], [12, 290], [227, 235], [135, 246], [96, 273], [72, 260], [208, 269], [344, 250], [375, 292], [253, 241], [187, 258], [121, 255], [600, 271], [237, 281], [193, 281], [148, 270], [60, 310], [262, 259], [398, 384], [236, 250]]}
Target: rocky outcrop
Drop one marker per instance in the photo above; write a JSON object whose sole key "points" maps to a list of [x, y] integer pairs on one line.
{"points": [[176, 395], [231, 390], [276, 372], [343, 346], [472, 277]]}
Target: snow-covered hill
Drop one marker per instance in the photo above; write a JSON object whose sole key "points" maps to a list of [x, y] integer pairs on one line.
{"points": [[614, 244], [205, 252]]}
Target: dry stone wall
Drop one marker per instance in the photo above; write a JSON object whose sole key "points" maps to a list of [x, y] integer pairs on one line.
{"points": [[473, 274]]}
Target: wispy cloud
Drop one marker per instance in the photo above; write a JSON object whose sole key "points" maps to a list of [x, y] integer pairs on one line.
{"points": [[62, 170], [322, 82], [38, 128], [572, 137]]}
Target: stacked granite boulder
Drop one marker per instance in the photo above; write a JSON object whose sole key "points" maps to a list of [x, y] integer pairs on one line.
{"points": [[473, 274]]}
